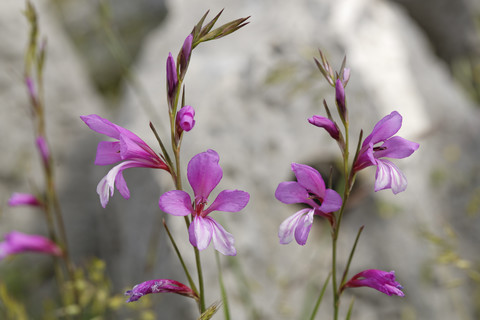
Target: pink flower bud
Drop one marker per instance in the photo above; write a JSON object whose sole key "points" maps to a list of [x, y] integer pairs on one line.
{"points": [[158, 286], [340, 99], [185, 118], [377, 279], [23, 199], [18, 242], [327, 124], [172, 80], [43, 149]]}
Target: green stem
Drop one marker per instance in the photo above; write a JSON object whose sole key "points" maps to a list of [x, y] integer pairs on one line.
{"points": [[226, 309], [320, 297]]}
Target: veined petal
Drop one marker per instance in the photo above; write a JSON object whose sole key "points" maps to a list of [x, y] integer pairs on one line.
{"points": [[385, 128], [110, 129], [303, 227], [290, 192], [229, 201], [377, 279], [309, 178], [157, 286], [204, 174], [108, 152], [331, 202], [396, 147], [222, 240], [176, 202], [389, 176], [287, 228], [105, 187], [200, 232], [101, 125], [131, 149]]}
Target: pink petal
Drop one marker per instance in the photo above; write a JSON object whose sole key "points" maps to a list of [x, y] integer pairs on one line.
{"points": [[287, 228], [18, 242], [204, 174], [229, 201], [19, 199], [332, 201], [389, 176], [108, 152], [304, 224], [200, 232], [309, 178], [385, 128], [101, 125], [176, 202], [396, 147], [222, 240], [290, 192]]}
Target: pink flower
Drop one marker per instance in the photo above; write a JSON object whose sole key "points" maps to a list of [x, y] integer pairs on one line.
{"points": [[388, 175], [157, 286], [377, 279], [17, 242], [309, 189], [23, 199], [204, 174], [130, 149], [185, 118]]}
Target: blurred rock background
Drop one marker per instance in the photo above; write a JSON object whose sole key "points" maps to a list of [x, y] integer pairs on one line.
{"points": [[253, 92]]}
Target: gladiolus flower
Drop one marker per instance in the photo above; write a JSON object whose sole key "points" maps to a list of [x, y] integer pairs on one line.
{"points": [[309, 189], [129, 148], [388, 175], [327, 124], [18, 242], [23, 199], [377, 279], [158, 286], [204, 174], [185, 118]]}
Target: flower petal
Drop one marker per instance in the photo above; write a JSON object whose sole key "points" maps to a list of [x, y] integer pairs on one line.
{"points": [[222, 240], [200, 232], [287, 228], [176, 202], [303, 227], [396, 147], [385, 128], [229, 201], [18, 242], [204, 174], [290, 192], [388, 176], [27, 199], [332, 202], [108, 152], [105, 187], [309, 178], [377, 279], [101, 125]]}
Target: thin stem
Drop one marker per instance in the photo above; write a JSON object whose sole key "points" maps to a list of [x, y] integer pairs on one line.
{"points": [[179, 255], [320, 297], [200, 279], [226, 309]]}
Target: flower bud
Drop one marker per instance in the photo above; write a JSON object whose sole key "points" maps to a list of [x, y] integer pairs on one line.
{"points": [[23, 199], [172, 80], [327, 124], [185, 118], [184, 57], [340, 99]]}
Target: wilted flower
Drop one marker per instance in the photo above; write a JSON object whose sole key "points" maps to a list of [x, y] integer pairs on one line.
{"points": [[377, 279], [309, 189], [327, 124], [129, 148], [18, 242], [204, 174], [158, 286], [388, 175]]}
